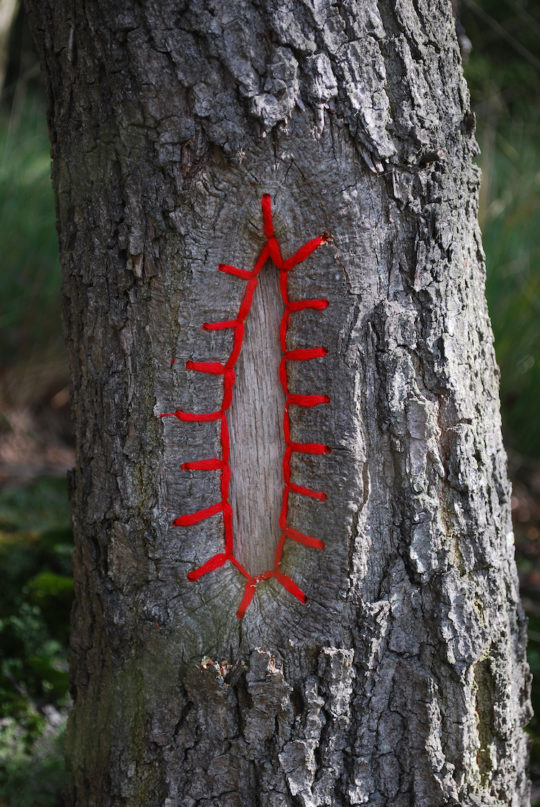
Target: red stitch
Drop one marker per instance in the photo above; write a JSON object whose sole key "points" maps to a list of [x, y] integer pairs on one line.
{"points": [[301, 354], [310, 448], [220, 326], [307, 540], [275, 252], [303, 253], [214, 367], [290, 585], [214, 563], [283, 328], [261, 260], [266, 204], [245, 305], [283, 287], [299, 305], [225, 445], [232, 270], [286, 466], [313, 494], [286, 425], [228, 531], [198, 515], [237, 344], [203, 465], [249, 593], [283, 374], [225, 481], [271, 250], [192, 417], [228, 384], [240, 568], [308, 400], [284, 508], [279, 549]]}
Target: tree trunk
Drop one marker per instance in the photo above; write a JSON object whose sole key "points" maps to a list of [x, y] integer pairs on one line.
{"points": [[402, 679]]}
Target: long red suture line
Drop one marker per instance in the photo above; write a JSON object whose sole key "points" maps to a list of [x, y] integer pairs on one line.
{"points": [[270, 250]]}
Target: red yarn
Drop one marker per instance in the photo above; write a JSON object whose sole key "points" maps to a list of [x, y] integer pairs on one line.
{"points": [[299, 305], [307, 540], [290, 585], [313, 494], [214, 563], [232, 270], [249, 593], [303, 253], [199, 515], [301, 354], [220, 326], [308, 400], [271, 250], [310, 448], [214, 367], [192, 417], [203, 465], [268, 224]]}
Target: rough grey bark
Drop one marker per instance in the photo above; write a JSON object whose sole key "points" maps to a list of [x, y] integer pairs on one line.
{"points": [[403, 680]]}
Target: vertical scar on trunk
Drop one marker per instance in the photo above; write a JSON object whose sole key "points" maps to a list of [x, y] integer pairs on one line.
{"points": [[256, 430], [254, 422]]}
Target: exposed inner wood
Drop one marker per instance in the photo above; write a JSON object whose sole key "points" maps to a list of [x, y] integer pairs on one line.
{"points": [[256, 431]]}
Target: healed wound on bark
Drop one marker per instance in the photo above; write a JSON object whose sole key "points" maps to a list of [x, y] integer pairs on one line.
{"points": [[255, 422]]}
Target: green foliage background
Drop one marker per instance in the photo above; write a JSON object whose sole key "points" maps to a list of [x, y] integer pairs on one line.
{"points": [[36, 589]]}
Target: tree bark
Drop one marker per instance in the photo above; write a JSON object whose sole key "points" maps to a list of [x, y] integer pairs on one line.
{"points": [[402, 680]]}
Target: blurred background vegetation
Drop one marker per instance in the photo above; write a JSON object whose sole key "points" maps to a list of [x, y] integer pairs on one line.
{"points": [[500, 41]]}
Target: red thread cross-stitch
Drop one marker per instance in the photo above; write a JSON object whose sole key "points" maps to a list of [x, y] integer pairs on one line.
{"points": [[270, 251]]}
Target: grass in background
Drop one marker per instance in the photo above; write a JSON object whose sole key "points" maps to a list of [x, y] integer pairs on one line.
{"points": [[503, 73], [36, 591], [510, 216], [30, 276], [36, 585]]}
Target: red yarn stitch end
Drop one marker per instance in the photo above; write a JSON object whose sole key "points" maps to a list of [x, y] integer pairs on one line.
{"points": [[249, 592], [199, 515], [310, 448], [290, 586], [301, 305], [214, 563], [213, 367], [309, 400], [202, 465], [306, 540], [191, 417], [219, 326], [313, 494], [268, 224], [302, 354], [303, 253]]}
